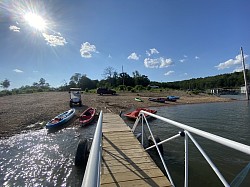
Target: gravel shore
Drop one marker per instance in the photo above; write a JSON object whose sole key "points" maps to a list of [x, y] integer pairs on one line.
{"points": [[32, 111]]}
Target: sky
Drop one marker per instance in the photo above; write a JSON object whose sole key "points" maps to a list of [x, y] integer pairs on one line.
{"points": [[166, 40]]}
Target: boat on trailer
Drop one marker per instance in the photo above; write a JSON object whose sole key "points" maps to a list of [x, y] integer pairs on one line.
{"points": [[61, 118], [87, 116]]}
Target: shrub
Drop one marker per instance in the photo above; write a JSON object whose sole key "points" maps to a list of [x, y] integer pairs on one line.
{"points": [[122, 87], [139, 87], [132, 90], [87, 90], [129, 88]]}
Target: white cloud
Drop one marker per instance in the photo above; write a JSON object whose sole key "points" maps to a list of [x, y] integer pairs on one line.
{"points": [[17, 70], [185, 56], [14, 28], [110, 56], [182, 60], [157, 62], [151, 63], [196, 57], [133, 56], [185, 73], [152, 51], [165, 62], [54, 40], [87, 49], [231, 62], [168, 73]]}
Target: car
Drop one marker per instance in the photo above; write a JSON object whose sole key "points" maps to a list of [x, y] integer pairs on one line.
{"points": [[75, 96], [102, 91]]}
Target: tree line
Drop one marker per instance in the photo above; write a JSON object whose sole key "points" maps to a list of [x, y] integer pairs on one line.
{"points": [[123, 81]]}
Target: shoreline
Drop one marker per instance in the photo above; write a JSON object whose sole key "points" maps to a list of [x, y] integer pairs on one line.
{"points": [[32, 111]]}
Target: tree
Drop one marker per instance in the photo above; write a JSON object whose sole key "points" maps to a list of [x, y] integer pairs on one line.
{"points": [[5, 84], [76, 78], [108, 72], [42, 82]]}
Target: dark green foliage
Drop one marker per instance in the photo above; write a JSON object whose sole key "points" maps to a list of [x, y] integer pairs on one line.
{"points": [[129, 88], [121, 87], [139, 87], [132, 90]]}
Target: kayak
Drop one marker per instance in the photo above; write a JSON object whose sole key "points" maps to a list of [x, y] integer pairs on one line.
{"points": [[87, 116], [61, 118], [134, 114], [159, 100], [138, 99]]}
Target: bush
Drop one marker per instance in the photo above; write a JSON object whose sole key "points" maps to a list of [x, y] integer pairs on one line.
{"points": [[139, 87], [122, 87], [132, 90], [129, 88], [86, 90], [196, 92]]}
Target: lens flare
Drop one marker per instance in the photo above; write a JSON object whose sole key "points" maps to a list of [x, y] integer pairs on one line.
{"points": [[35, 21]]}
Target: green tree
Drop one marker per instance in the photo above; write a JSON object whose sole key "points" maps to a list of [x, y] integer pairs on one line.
{"points": [[42, 82], [76, 78], [5, 84]]}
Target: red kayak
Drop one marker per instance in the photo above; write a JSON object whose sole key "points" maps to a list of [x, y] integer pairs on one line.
{"points": [[134, 114], [87, 116]]}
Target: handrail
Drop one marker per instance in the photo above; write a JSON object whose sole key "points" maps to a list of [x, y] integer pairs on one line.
{"points": [[186, 131], [92, 172], [224, 141]]}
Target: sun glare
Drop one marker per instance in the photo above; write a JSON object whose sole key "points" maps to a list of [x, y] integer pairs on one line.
{"points": [[35, 21]]}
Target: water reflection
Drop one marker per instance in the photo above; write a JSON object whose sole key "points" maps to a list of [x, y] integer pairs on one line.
{"points": [[39, 158]]}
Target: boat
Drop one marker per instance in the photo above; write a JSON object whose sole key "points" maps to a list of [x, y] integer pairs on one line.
{"points": [[138, 99], [87, 116], [61, 118], [159, 100], [134, 114], [172, 98]]}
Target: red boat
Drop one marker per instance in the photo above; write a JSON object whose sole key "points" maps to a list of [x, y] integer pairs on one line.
{"points": [[87, 116], [134, 114]]}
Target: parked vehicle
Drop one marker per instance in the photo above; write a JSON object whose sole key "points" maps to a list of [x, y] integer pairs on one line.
{"points": [[87, 116], [102, 91], [75, 96], [61, 119]]}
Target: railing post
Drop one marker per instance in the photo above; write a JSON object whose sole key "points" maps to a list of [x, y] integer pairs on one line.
{"points": [[92, 172], [142, 132], [186, 160]]}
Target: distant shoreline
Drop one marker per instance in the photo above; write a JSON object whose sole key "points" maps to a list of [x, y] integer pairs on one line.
{"points": [[19, 112]]}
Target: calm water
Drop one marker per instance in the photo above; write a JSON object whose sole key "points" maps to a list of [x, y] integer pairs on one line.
{"points": [[42, 158], [230, 120]]}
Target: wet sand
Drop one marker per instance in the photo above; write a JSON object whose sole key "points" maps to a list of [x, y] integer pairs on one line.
{"points": [[19, 112]]}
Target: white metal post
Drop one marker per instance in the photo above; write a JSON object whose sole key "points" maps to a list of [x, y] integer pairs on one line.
{"points": [[186, 160], [142, 132]]}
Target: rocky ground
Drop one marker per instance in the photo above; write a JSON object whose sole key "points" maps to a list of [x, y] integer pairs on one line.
{"points": [[32, 111]]}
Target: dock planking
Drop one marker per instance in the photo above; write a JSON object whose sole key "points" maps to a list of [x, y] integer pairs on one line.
{"points": [[124, 161]]}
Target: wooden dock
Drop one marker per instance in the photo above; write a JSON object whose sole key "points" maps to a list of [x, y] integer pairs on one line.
{"points": [[125, 162]]}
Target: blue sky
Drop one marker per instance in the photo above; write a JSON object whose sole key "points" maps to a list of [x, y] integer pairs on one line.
{"points": [[167, 40]]}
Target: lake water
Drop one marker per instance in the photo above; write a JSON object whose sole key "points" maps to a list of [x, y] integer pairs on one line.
{"points": [[42, 158]]}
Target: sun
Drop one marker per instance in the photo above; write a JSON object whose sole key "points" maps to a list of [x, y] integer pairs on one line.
{"points": [[35, 21]]}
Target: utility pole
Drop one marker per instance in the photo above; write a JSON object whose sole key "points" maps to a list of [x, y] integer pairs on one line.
{"points": [[244, 73], [122, 77]]}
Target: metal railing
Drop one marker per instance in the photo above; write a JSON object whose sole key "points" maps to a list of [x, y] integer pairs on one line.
{"points": [[92, 173], [187, 130]]}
